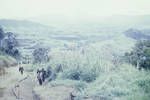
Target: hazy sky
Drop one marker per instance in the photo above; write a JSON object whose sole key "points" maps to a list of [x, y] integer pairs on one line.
{"points": [[72, 8]]}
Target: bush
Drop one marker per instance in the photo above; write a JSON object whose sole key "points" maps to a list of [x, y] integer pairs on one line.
{"points": [[73, 74], [88, 76], [1, 35], [144, 85], [78, 74], [8, 44], [140, 55], [40, 55]]}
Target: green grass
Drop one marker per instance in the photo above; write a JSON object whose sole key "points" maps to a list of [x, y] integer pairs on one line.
{"points": [[111, 80], [7, 60]]}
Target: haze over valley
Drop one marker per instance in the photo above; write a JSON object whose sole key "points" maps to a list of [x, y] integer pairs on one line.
{"points": [[74, 50]]}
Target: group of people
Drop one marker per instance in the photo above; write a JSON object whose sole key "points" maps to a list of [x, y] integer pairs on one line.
{"points": [[49, 74], [41, 75]]}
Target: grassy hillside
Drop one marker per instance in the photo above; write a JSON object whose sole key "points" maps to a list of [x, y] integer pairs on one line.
{"points": [[92, 60], [99, 73], [30, 35], [100, 77], [5, 62]]}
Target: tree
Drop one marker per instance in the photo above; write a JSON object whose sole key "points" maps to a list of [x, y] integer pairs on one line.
{"points": [[40, 55], [1, 36], [9, 45], [140, 55]]}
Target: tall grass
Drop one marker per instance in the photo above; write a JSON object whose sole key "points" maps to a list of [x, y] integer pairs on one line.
{"points": [[100, 73]]}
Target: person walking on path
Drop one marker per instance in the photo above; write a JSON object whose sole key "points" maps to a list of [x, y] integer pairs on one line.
{"points": [[39, 77], [21, 69], [43, 74]]}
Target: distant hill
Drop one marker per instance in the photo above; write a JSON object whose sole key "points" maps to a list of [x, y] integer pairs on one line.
{"points": [[111, 22], [19, 23], [136, 34], [33, 33], [28, 33], [24, 26]]}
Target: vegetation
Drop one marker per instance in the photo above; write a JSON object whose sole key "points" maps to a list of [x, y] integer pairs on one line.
{"points": [[101, 73], [99, 80], [9, 44], [1, 36], [78, 74], [140, 55], [95, 69], [40, 55], [5, 62]]}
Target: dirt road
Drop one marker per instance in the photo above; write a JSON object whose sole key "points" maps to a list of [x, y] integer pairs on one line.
{"points": [[15, 86]]}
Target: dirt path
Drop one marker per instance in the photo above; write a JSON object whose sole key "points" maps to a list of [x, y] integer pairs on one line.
{"points": [[24, 90], [21, 87], [15, 86]]}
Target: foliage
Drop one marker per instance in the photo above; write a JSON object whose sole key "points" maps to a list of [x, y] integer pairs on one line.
{"points": [[73, 74], [1, 36], [80, 74], [8, 44], [88, 76], [140, 55], [1, 33], [40, 55], [144, 84]]}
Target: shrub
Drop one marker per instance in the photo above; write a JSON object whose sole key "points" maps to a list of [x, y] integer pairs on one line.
{"points": [[144, 85], [8, 44], [40, 55], [73, 74], [78, 74], [1, 35], [140, 55], [88, 76]]}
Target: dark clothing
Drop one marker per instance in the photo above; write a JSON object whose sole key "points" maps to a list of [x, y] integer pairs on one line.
{"points": [[38, 71], [43, 74], [40, 81], [21, 69], [48, 72], [39, 78], [72, 96]]}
